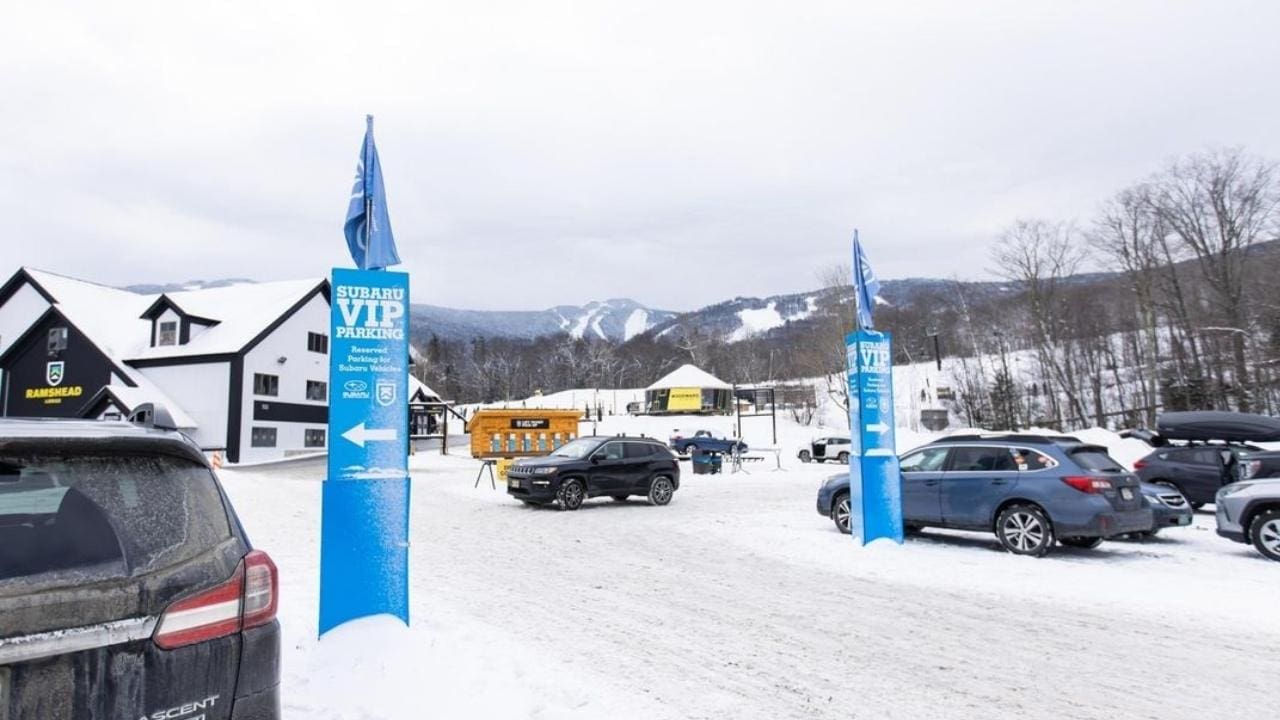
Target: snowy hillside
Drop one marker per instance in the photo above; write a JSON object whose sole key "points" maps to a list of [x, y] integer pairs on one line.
{"points": [[617, 320]]}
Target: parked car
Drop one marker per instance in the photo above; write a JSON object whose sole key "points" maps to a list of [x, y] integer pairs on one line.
{"points": [[835, 448], [1248, 511], [128, 588], [704, 440], [1168, 508], [1196, 452], [1029, 490], [618, 467]]}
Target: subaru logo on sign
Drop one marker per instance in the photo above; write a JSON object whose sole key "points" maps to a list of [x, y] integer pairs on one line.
{"points": [[386, 393], [53, 372], [355, 386]]}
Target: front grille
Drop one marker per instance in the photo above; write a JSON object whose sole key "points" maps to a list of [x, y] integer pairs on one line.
{"points": [[1173, 500]]}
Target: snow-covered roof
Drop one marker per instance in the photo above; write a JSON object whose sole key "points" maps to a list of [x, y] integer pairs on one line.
{"points": [[689, 376], [107, 315], [416, 385], [146, 392], [241, 311]]}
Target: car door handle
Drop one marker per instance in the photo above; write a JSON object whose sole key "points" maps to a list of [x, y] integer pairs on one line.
{"points": [[931, 483], [998, 481]]}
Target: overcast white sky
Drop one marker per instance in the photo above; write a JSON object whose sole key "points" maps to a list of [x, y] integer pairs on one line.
{"points": [[538, 153]]}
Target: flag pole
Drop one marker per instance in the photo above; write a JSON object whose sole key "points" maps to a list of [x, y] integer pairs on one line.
{"points": [[368, 197]]}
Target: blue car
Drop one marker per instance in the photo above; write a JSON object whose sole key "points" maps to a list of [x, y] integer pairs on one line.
{"points": [[704, 441], [1029, 490]]}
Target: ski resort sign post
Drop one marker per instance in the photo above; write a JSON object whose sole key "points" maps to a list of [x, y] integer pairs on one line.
{"points": [[875, 485], [364, 558]]}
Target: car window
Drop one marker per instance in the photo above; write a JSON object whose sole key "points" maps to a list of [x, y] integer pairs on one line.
{"points": [[980, 459], [925, 460], [1028, 460], [638, 450], [577, 449], [611, 451], [1095, 458], [104, 516]]}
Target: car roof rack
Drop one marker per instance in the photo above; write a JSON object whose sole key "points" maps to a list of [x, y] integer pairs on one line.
{"points": [[1029, 438]]}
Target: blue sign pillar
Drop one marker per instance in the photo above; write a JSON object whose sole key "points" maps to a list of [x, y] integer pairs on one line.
{"points": [[875, 485], [364, 535]]}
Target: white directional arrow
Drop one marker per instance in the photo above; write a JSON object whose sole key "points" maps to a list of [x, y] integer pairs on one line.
{"points": [[360, 434], [877, 428]]}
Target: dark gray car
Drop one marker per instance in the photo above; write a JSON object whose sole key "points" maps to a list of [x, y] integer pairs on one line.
{"points": [[1029, 490], [128, 588]]}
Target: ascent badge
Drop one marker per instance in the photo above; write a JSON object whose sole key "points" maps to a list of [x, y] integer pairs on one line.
{"points": [[386, 392], [53, 372]]}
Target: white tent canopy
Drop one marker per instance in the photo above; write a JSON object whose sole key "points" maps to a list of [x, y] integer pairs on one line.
{"points": [[690, 376]]}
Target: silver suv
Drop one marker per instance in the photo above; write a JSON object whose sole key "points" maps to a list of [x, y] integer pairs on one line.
{"points": [[1249, 512]]}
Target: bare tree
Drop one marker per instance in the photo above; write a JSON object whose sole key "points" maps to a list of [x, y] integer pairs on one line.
{"points": [[1219, 204]]}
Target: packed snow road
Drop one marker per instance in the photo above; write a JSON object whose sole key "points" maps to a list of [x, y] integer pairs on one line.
{"points": [[738, 600]]}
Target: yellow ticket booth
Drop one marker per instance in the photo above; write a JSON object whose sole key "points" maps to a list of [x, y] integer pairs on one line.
{"points": [[523, 432]]}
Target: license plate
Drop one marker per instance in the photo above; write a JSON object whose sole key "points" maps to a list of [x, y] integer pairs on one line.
{"points": [[1126, 493], [513, 483]]}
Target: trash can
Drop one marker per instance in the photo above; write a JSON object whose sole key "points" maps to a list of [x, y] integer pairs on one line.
{"points": [[706, 463]]}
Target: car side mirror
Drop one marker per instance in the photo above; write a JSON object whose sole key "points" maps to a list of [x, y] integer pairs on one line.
{"points": [[595, 459]]}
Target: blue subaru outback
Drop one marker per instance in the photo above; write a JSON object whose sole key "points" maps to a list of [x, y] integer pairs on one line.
{"points": [[1029, 490]]}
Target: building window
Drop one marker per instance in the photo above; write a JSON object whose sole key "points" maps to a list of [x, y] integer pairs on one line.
{"points": [[313, 438], [168, 333], [317, 390], [263, 437], [264, 384], [318, 343], [57, 340]]}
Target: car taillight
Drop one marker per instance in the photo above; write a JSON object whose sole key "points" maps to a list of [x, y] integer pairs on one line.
{"points": [[247, 599], [1087, 484], [1139, 464], [261, 583]]}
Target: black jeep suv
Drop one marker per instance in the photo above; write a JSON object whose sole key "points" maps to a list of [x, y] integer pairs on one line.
{"points": [[618, 467], [127, 587]]}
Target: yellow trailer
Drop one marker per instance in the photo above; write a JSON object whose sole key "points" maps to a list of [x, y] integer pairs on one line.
{"points": [[524, 432]]}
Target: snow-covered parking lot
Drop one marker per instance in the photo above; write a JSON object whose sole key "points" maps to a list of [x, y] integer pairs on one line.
{"points": [[739, 600]]}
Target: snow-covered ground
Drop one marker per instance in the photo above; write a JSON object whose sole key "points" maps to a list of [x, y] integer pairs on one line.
{"points": [[739, 600]]}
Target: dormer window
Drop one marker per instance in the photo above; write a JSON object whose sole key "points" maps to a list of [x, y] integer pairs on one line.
{"points": [[168, 333]]}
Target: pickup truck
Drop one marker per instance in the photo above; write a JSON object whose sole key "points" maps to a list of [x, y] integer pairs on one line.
{"points": [[685, 443]]}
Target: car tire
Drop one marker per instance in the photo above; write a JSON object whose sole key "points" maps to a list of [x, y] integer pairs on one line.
{"points": [[843, 458], [806, 456], [620, 498], [1197, 505], [571, 495], [840, 512], [1083, 543], [661, 490], [1264, 532], [688, 449], [1025, 530]]}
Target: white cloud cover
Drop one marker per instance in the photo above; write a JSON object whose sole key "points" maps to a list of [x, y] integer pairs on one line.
{"points": [[675, 152]]}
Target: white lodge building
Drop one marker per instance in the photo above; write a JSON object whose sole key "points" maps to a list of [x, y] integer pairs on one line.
{"points": [[243, 369]]}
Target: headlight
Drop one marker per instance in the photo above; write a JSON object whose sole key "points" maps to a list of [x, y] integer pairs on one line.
{"points": [[544, 470], [1234, 488]]}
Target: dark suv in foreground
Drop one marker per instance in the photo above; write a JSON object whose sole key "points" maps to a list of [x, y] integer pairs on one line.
{"points": [[1029, 490], [618, 467], [127, 587]]}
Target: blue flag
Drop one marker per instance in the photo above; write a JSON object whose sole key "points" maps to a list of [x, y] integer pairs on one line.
{"points": [[865, 285], [368, 226]]}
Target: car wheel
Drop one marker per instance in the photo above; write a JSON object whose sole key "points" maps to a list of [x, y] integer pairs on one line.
{"points": [[843, 458], [1264, 531], [840, 512], [806, 456], [688, 449], [1084, 543], [571, 494], [1024, 530], [620, 498], [661, 490]]}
